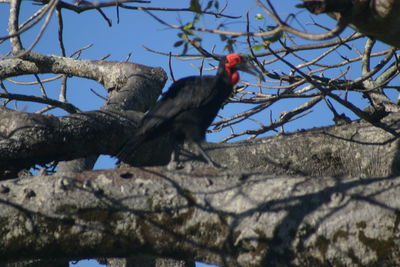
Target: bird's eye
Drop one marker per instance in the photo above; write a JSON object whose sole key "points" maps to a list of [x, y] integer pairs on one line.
{"points": [[236, 60]]}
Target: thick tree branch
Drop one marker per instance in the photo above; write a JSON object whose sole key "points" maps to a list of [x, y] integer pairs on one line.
{"points": [[28, 139], [112, 75], [356, 149], [220, 217], [376, 18]]}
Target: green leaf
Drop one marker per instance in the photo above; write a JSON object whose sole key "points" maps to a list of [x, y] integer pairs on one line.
{"points": [[259, 16], [271, 39], [188, 26], [257, 48], [186, 33], [264, 45], [195, 6]]}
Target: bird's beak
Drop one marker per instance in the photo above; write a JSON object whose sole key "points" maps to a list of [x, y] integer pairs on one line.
{"points": [[246, 66]]}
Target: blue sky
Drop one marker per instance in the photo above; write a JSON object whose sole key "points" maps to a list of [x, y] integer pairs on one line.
{"points": [[137, 29]]}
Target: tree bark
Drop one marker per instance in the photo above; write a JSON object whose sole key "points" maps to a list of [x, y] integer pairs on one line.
{"points": [[242, 216], [378, 19], [356, 149], [29, 139]]}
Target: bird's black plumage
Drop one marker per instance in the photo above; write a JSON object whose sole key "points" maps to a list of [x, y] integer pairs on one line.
{"points": [[188, 108]]}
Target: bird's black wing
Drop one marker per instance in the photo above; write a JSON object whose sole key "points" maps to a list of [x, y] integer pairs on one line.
{"points": [[184, 94]]}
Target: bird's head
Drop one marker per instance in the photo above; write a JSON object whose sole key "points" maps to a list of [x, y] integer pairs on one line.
{"points": [[234, 62]]}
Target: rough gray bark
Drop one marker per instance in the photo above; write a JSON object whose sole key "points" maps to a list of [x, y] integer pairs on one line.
{"points": [[237, 216], [229, 219], [378, 19], [28, 139], [140, 90], [38, 263], [131, 86], [352, 150], [160, 262], [43, 138], [356, 149]]}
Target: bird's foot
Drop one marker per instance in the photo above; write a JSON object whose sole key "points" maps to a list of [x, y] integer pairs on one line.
{"points": [[174, 165]]}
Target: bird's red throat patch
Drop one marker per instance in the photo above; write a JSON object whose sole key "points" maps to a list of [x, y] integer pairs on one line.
{"points": [[231, 61]]}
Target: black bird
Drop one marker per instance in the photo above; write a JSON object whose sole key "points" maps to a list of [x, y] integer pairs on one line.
{"points": [[189, 107]]}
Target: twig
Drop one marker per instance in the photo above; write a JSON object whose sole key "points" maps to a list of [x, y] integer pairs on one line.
{"points": [[122, 4], [66, 106], [52, 6], [36, 82], [170, 68], [350, 106], [44, 94], [63, 87], [98, 95]]}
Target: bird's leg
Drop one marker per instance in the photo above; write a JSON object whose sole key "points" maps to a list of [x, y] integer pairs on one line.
{"points": [[174, 161], [172, 164], [200, 151]]}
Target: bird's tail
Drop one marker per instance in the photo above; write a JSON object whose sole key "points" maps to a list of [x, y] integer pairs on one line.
{"points": [[129, 148]]}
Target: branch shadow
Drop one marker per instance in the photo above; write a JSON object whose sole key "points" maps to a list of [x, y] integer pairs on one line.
{"points": [[167, 220]]}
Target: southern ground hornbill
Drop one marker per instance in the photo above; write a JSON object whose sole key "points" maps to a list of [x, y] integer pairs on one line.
{"points": [[189, 107]]}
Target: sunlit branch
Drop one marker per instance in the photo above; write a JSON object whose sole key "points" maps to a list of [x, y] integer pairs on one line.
{"points": [[284, 118], [122, 4], [16, 45]]}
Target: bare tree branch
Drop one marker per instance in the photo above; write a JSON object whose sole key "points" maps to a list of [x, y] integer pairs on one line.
{"points": [[257, 218]]}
